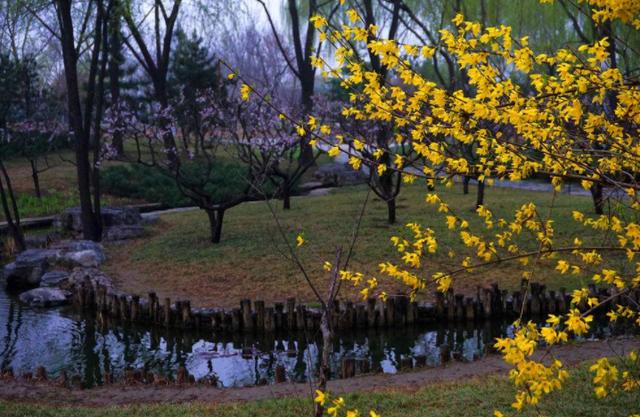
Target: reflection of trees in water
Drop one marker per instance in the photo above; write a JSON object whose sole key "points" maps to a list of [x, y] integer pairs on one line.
{"points": [[11, 338], [79, 346]]}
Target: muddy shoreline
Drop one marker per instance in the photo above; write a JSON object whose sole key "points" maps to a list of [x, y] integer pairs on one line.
{"points": [[49, 393]]}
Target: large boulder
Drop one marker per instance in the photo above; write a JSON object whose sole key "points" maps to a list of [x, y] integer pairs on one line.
{"points": [[45, 297], [95, 276], [84, 253], [54, 278], [71, 221], [27, 269]]}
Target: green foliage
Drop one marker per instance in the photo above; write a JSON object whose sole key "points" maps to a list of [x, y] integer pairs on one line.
{"points": [[192, 67], [141, 182], [220, 181], [52, 203]]}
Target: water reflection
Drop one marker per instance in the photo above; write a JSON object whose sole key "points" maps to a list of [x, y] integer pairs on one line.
{"points": [[60, 340]]}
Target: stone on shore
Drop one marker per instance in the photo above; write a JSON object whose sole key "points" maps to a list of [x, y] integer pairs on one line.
{"points": [[45, 297]]}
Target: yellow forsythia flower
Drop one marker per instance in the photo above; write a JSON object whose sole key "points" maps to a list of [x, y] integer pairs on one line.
{"points": [[300, 240], [321, 397], [245, 91]]}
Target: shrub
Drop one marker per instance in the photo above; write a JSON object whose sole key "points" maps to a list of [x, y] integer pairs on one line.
{"points": [[220, 181]]}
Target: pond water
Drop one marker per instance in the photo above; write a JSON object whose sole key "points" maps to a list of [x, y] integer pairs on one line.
{"points": [[60, 340]]}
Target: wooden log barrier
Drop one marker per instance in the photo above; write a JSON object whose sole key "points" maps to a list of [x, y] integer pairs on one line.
{"points": [[291, 313], [260, 315]]}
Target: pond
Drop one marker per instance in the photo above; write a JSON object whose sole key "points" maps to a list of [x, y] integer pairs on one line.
{"points": [[60, 341]]}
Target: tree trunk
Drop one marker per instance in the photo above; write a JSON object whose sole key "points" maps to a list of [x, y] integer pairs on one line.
{"points": [[480, 196], [90, 222], [10, 208], [598, 200], [306, 150], [465, 184], [286, 198], [391, 210], [215, 224], [325, 366], [36, 178]]}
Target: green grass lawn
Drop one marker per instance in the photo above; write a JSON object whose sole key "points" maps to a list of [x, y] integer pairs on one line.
{"points": [[471, 398], [177, 259]]}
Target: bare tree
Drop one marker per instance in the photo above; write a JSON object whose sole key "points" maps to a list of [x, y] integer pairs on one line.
{"points": [[305, 49], [77, 32]]}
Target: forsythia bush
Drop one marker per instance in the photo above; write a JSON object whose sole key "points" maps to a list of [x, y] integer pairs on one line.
{"points": [[579, 122]]}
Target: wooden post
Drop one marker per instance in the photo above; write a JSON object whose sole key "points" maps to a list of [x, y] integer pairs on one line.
{"points": [[187, 321], [259, 305], [291, 313], [363, 366], [216, 321], [563, 304], [517, 302], [348, 317], [361, 316], [279, 316], [412, 313], [135, 308], [459, 307], [153, 314], [236, 320], [115, 306], [497, 300], [181, 375], [280, 374], [348, 368], [390, 311], [247, 314], [440, 308], [300, 316], [421, 361], [381, 316], [552, 302], [124, 308], [451, 305], [167, 312], [535, 306], [269, 319], [406, 362], [470, 309], [371, 313], [41, 373], [487, 308]]}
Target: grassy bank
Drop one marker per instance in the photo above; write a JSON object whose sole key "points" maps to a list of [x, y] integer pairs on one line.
{"points": [[178, 260], [471, 398]]}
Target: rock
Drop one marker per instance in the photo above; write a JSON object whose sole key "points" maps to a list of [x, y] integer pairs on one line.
{"points": [[337, 174], [123, 232], [71, 221], [84, 253], [54, 278], [79, 274], [45, 297], [28, 268], [85, 258], [150, 218], [118, 216]]}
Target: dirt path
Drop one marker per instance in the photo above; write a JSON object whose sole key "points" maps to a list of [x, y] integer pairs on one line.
{"points": [[23, 391]]}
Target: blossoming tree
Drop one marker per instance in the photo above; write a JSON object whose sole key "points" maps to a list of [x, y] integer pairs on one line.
{"points": [[576, 117]]}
